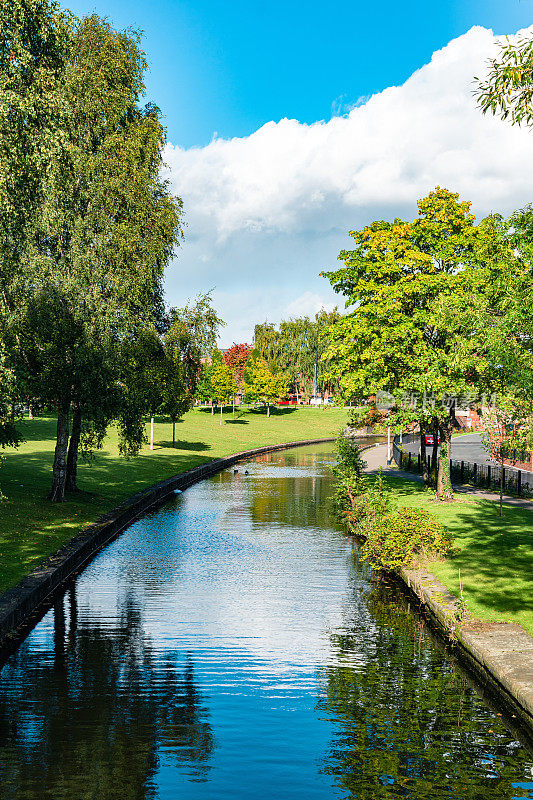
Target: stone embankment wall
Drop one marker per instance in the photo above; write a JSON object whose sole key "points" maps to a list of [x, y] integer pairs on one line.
{"points": [[18, 603]]}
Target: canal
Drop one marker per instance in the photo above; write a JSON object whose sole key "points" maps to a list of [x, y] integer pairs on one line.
{"points": [[230, 645]]}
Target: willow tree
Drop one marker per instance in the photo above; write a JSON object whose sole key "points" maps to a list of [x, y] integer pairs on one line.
{"points": [[107, 226], [297, 348], [189, 340]]}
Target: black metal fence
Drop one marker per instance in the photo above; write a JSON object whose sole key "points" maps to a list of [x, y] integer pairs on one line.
{"points": [[483, 476]]}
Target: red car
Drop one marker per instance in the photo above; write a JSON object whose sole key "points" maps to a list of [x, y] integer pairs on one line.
{"points": [[429, 439]]}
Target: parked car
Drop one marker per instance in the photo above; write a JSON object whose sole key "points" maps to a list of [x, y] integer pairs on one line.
{"points": [[429, 439]]}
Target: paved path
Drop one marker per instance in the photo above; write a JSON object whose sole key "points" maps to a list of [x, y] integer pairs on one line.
{"points": [[376, 458], [466, 447]]}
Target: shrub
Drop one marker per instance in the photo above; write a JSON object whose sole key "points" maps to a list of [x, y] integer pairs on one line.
{"points": [[360, 502], [400, 538], [349, 456]]}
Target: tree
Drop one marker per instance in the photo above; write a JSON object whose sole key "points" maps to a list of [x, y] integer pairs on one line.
{"points": [[8, 432], [235, 358], [190, 338], [297, 348], [400, 280], [261, 384], [504, 430], [105, 228], [223, 385], [507, 91]]}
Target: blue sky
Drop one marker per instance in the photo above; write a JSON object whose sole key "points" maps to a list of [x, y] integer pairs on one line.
{"points": [[228, 66], [291, 123]]}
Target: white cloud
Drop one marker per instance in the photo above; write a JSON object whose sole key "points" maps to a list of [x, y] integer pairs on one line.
{"points": [[267, 212], [307, 305]]}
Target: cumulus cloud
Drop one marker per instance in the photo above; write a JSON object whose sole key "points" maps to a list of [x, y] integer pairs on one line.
{"points": [[268, 211]]}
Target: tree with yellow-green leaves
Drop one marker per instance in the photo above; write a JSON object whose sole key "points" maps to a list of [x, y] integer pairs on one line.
{"points": [[223, 385], [400, 283], [261, 384]]}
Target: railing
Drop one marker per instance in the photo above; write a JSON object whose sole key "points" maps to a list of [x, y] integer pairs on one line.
{"points": [[484, 476]]}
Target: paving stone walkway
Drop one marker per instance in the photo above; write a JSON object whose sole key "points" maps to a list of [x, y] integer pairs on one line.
{"points": [[376, 459]]}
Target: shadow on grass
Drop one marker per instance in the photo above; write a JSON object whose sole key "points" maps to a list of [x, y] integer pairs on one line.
{"points": [[237, 422], [274, 411], [495, 555], [198, 447], [38, 429]]}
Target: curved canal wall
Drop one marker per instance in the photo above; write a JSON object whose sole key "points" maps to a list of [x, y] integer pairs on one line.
{"points": [[21, 601]]}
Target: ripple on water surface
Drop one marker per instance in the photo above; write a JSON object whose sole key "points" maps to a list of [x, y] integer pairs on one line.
{"points": [[229, 645]]}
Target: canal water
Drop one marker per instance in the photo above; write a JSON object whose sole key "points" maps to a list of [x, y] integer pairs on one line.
{"points": [[230, 645]]}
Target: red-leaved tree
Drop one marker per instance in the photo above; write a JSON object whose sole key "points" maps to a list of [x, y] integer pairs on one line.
{"points": [[235, 358]]}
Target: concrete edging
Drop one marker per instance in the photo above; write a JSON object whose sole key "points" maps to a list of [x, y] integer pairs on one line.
{"points": [[499, 653], [19, 602]]}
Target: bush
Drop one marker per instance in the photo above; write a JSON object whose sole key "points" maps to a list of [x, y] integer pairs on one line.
{"points": [[401, 538], [349, 457], [360, 501]]}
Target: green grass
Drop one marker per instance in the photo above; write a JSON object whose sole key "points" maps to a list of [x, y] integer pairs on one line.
{"points": [[31, 527], [494, 555]]}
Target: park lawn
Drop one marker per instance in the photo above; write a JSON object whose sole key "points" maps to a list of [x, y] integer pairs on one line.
{"points": [[31, 527], [494, 555]]}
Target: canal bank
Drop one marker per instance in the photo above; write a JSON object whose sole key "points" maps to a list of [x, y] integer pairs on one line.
{"points": [[231, 644], [500, 653], [20, 603]]}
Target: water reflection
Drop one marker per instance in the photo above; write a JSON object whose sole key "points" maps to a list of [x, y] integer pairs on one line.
{"points": [[229, 646], [92, 716], [409, 724]]}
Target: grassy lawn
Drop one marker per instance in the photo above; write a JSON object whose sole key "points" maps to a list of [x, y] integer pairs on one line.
{"points": [[31, 528], [495, 555]]}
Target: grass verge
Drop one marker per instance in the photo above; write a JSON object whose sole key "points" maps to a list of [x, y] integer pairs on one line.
{"points": [[494, 555], [31, 527]]}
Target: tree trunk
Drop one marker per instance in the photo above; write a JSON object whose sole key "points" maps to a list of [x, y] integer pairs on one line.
{"points": [[30, 411], [71, 483], [212, 408], [173, 433], [233, 414], [59, 470], [151, 433], [221, 407], [268, 409], [435, 452], [501, 483], [423, 459], [444, 483]]}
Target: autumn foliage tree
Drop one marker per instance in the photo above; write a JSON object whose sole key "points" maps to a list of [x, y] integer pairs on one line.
{"points": [[261, 384], [235, 358]]}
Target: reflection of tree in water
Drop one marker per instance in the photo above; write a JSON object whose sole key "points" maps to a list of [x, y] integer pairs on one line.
{"points": [[407, 724], [293, 501], [95, 720]]}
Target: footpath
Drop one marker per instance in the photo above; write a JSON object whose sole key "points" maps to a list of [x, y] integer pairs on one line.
{"points": [[500, 653], [377, 459]]}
